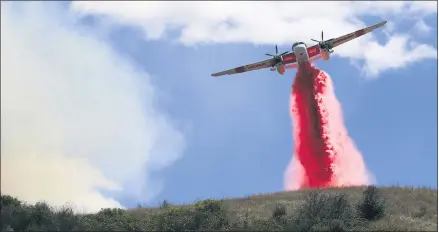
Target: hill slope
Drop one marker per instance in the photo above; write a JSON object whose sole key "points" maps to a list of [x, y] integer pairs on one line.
{"points": [[342, 209], [405, 208]]}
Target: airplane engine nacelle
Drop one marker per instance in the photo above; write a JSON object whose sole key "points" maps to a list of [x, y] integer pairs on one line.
{"points": [[325, 54], [280, 69]]}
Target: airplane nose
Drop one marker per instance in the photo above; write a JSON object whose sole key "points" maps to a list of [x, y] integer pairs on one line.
{"points": [[301, 53]]}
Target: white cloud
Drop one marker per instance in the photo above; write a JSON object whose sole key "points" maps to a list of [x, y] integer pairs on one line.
{"points": [[399, 53], [76, 118], [398, 9], [422, 28], [269, 22]]}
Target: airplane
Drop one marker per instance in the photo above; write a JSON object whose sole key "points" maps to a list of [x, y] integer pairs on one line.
{"points": [[300, 53]]}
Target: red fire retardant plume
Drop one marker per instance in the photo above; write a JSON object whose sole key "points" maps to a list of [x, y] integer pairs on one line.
{"points": [[325, 155]]}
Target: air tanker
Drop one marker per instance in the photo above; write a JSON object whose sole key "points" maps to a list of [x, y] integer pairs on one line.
{"points": [[300, 53]]}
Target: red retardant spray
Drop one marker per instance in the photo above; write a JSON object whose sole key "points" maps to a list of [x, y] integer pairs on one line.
{"points": [[324, 154]]}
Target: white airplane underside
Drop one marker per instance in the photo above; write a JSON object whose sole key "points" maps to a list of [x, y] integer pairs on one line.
{"points": [[301, 52], [324, 55]]}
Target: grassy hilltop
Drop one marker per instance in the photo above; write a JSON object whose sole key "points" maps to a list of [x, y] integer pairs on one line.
{"points": [[342, 209]]}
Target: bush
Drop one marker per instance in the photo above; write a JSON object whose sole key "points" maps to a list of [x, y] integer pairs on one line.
{"points": [[165, 204], [113, 220], [320, 212], [372, 206], [42, 217], [65, 219], [9, 201], [176, 218], [17, 216], [279, 211], [332, 226], [420, 213], [14, 216], [259, 224], [211, 215], [278, 221], [324, 212], [203, 215]]}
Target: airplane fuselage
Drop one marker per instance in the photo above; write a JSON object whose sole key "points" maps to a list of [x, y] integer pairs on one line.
{"points": [[301, 53]]}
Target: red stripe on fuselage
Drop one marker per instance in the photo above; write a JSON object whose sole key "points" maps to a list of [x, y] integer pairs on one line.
{"points": [[255, 66], [344, 39], [354, 35], [360, 33], [240, 69]]}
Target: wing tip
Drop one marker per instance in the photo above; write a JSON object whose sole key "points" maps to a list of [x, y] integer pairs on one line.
{"points": [[227, 72], [216, 74]]}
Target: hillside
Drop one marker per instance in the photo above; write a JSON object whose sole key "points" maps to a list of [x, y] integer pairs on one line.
{"points": [[342, 209]]}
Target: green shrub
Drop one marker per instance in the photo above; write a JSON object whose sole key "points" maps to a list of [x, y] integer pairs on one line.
{"points": [[165, 204], [420, 213], [11, 208], [8, 201], [42, 217], [271, 224], [279, 211], [66, 219], [323, 211], [112, 220], [372, 205], [177, 218], [320, 212], [21, 217], [331, 226], [203, 215], [211, 215]]}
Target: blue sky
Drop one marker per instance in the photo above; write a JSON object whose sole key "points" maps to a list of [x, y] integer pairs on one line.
{"points": [[242, 144], [230, 136]]}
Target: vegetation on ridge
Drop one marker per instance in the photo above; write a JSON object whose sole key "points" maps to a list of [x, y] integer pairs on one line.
{"points": [[343, 209]]}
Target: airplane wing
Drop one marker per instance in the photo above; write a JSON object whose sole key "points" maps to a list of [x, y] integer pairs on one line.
{"points": [[315, 58], [250, 67], [345, 38], [290, 66]]}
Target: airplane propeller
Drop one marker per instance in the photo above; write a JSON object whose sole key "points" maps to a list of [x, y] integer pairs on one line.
{"points": [[277, 56], [322, 43], [317, 40]]}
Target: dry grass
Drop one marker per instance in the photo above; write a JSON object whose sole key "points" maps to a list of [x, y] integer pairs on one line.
{"points": [[407, 208]]}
